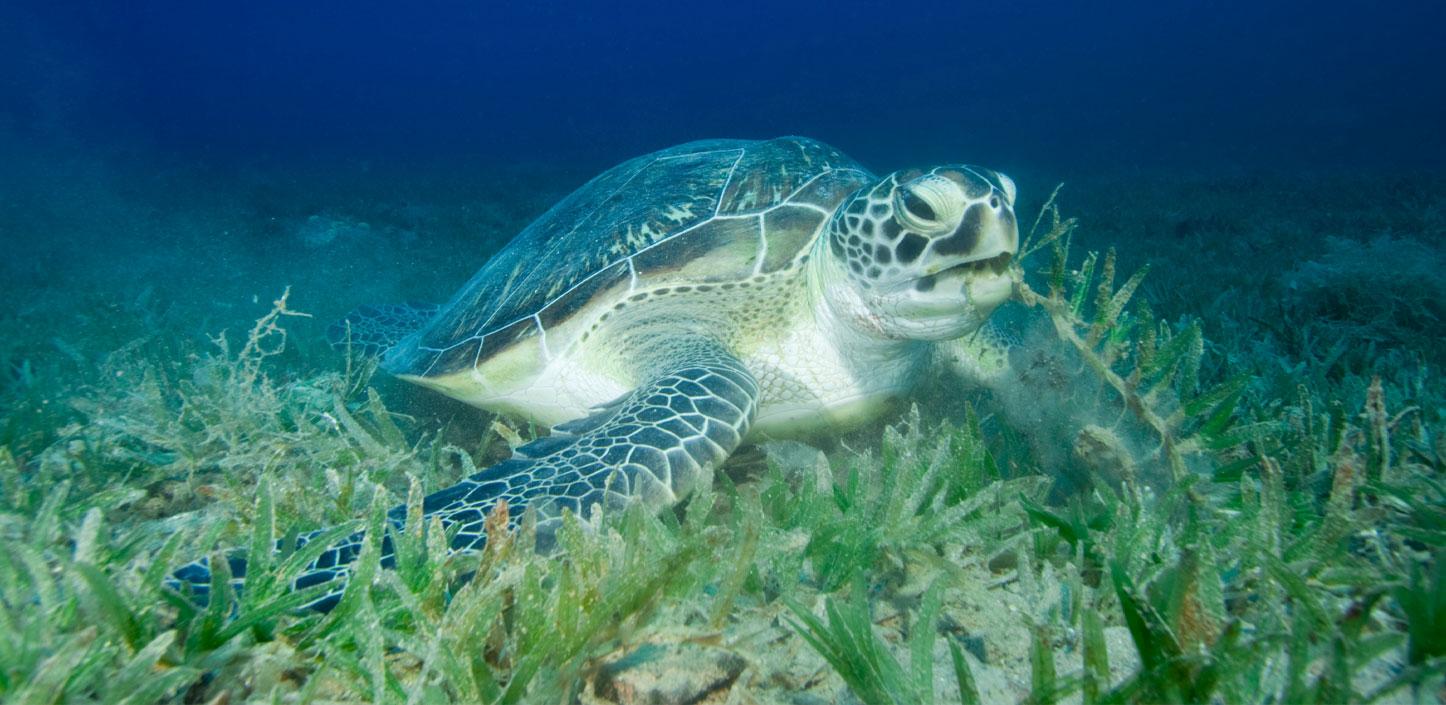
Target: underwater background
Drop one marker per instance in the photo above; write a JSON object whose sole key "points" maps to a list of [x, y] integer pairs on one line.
{"points": [[1225, 487]]}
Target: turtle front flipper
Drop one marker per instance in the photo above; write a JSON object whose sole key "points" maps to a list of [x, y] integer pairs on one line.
{"points": [[654, 444], [981, 358], [372, 330]]}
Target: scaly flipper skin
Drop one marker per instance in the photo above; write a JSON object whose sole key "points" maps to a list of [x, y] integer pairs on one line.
{"points": [[655, 445], [373, 329], [982, 357], [707, 290]]}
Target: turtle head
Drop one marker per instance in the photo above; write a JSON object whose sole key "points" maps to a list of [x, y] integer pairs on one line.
{"points": [[925, 253]]}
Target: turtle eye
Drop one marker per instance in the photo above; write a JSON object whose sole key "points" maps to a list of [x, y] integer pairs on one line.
{"points": [[923, 206], [917, 206]]}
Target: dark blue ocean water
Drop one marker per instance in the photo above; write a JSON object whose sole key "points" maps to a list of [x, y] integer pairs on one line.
{"points": [[1033, 85], [370, 152], [169, 168]]}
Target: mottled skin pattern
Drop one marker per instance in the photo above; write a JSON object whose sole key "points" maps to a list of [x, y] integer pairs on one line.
{"points": [[684, 301], [372, 330]]}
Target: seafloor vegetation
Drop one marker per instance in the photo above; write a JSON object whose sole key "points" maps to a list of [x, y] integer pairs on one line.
{"points": [[1218, 481]]}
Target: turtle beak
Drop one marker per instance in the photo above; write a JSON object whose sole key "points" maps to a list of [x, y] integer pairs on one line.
{"points": [[996, 242]]}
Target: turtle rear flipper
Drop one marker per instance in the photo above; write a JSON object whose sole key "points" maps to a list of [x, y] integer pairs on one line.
{"points": [[373, 329], [654, 445]]}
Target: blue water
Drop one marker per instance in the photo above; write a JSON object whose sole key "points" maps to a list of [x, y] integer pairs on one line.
{"points": [[168, 169], [1061, 86], [375, 152]]}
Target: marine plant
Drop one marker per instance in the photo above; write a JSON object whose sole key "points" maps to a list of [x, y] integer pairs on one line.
{"points": [[1251, 558], [1245, 528]]}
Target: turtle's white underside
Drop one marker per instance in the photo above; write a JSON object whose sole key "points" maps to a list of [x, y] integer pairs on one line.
{"points": [[811, 375], [815, 373]]}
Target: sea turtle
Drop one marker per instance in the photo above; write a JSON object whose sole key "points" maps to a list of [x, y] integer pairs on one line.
{"points": [[685, 301]]}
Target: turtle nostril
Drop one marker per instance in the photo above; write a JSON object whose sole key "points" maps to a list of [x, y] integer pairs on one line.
{"points": [[994, 202]]}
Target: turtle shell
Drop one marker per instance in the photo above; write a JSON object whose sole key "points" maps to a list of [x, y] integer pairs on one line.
{"points": [[714, 210]]}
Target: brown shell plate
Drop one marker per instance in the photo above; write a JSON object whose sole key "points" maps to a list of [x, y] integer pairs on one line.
{"points": [[740, 207]]}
